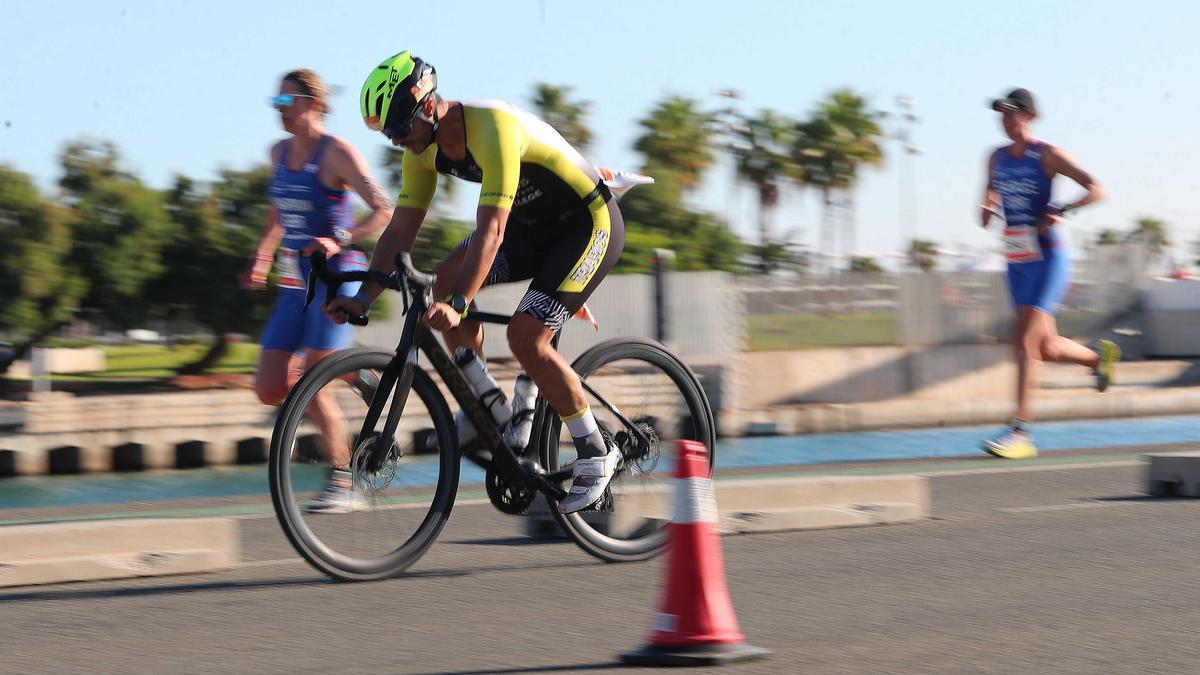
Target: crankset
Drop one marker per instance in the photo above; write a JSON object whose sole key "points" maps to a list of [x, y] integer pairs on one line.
{"points": [[506, 497]]}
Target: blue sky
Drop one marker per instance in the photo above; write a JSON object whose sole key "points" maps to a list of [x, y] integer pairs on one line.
{"points": [[182, 86]]}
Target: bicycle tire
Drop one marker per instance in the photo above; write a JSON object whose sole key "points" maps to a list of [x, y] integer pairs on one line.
{"points": [[576, 528], [283, 496]]}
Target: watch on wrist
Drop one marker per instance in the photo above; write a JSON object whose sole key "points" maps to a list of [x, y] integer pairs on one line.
{"points": [[342, 236], [458, 302]]}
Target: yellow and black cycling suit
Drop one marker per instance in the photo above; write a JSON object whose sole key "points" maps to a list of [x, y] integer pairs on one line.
{"points": [[564, 230]]}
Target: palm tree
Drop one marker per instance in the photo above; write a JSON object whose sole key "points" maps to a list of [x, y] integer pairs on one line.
{"points": [[830, 148], [568, 117], [922, 254], [761, 153], [817, 153], [677, 142]]}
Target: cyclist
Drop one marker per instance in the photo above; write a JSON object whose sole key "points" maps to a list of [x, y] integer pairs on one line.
{"points": [[1019, 177], [310, 210], [543, 215]]}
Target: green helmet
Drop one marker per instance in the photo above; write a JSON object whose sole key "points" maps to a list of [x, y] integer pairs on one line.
{"points": [[394, 92]]}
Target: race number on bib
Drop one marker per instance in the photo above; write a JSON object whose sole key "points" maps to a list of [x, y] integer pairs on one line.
{"points": [[1021, 244], [289, 269]]}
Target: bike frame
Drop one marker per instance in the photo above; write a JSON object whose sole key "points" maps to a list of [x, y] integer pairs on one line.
{"points": [[397, 376]]}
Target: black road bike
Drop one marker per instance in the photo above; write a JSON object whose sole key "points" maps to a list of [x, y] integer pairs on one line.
{"points": [[405, 458]]}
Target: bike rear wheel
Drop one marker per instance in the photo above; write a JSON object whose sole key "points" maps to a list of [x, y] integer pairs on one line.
{"points": [[399, 503], [653, 389]]}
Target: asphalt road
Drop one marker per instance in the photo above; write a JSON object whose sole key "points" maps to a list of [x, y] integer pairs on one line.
{"points": [[1039, 571]]}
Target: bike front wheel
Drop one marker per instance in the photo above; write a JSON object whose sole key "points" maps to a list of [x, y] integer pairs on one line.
{"points": [[657, 393], [398, 499]]}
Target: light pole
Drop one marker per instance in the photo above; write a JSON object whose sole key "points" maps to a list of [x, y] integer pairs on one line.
{"points": [[903, 121]]}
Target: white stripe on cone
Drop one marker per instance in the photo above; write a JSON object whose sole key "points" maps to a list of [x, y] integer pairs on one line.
{"points": [[694, 501]]}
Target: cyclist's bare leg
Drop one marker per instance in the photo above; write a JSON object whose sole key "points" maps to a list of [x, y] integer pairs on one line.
{"points": [[529, 340]]}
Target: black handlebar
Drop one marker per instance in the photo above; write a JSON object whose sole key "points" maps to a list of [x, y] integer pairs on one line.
{"points": [[407, 279]]}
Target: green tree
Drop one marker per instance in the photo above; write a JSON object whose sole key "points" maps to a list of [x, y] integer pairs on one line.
{"points": [[1108, 236], [864, 265], [1153, 233], [205, 258], [677, 143], [41, 287], [677, 148], [120, 228], [922, 254], [761, 151], [555, 107]]}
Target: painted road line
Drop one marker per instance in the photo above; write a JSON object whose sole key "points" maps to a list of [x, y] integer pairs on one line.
{"points": [[1059, 507]]}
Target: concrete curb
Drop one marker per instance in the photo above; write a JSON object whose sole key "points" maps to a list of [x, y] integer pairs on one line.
{"points": [[240, 441], [772, 505], [116, 549], [917, 413]]}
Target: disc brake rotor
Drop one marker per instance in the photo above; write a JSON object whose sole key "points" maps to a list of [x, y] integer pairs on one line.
{"points": [[372, 474]]}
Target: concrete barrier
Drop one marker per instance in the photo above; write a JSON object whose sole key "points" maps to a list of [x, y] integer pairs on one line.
{"points": [[1174, 474], [770, 505], [116, 549]]}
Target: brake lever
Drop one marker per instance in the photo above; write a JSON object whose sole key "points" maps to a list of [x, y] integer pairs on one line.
{"points": [[404, 291]]}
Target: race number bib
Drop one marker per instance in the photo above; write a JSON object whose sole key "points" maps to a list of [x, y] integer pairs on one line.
{"points": [[1021, 244], [289, 269]]}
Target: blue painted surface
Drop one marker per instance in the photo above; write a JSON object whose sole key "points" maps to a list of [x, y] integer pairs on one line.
{"points": [[48, 491]]}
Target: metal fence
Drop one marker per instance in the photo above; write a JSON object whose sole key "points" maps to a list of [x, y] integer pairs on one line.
{"points": [[930, 308]]}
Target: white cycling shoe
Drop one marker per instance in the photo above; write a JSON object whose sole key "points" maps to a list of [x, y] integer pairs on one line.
{"points": [[591, 479]]}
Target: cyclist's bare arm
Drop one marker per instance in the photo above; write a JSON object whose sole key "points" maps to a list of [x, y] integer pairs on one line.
{"points": [[481, 252], [352, 171], [991, 198], [399, 237], [1056, 162]]}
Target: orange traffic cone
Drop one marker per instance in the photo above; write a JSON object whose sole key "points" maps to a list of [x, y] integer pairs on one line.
{"points": [[697, 625]]}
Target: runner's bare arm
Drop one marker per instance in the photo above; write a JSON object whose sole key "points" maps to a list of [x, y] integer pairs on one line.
{"points": [[352, 171], [991, 198], [1059, 162]]}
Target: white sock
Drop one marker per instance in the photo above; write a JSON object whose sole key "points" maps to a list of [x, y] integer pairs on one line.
{"points": [[589, 442]]}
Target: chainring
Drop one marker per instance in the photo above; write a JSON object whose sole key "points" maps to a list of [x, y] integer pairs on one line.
{"points": [[507, 498]]}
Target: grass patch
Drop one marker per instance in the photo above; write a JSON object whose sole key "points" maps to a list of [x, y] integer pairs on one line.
{"points": [[152, 362], [774, 332]]}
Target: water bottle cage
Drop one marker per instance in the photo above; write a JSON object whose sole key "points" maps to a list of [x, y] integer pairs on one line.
{"points": [[490, 396]]}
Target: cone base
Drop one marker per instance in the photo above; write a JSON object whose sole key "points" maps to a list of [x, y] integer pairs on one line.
{"points": [[697, 655]]}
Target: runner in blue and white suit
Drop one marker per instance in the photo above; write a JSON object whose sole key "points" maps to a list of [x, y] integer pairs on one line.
{"points": [[1019, 179], [311, 211]]}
